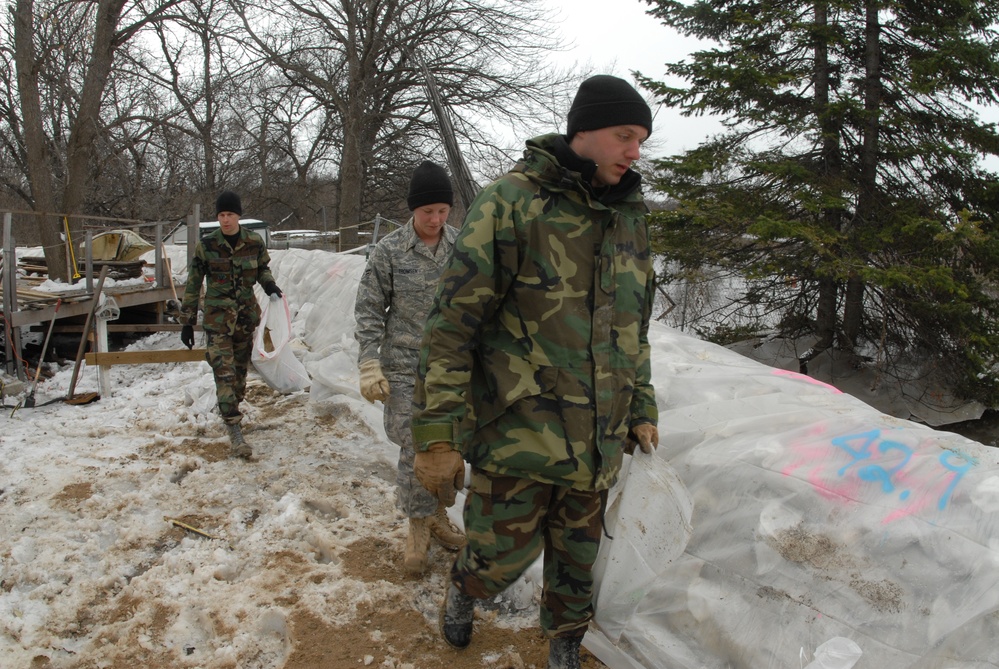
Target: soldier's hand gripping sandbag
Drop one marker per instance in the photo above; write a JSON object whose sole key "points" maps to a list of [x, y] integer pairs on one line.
{"points": [[272, 290], [647, 436], [374, 385], [441, 471]]}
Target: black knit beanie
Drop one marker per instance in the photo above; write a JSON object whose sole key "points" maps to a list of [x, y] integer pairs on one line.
{"points": [[603, 101], [228, 201], [429, 185]]}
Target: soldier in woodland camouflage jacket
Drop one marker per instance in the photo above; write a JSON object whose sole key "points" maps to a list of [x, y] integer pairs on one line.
{"points": [[229, 262], [536, 362]]}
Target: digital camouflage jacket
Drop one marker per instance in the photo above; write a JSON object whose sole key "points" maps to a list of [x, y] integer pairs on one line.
{"points": [[394, 298], [535, 358], [229, 275]]}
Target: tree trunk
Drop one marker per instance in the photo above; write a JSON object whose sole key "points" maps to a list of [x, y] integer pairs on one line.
{"points": [[39, 159], [853, 314], [84, 130], [828, 287], [351, 180], [87, 125]]}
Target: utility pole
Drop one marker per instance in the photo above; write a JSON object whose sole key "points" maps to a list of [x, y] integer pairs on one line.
{"points": [[465, 185]]}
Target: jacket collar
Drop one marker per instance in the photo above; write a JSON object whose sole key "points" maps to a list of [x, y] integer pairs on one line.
{"points": [[217, 232], [556, 163]]}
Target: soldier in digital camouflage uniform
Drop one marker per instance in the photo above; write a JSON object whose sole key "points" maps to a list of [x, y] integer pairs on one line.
{"points": [[393, 299], [536, 363], [229, 261]]}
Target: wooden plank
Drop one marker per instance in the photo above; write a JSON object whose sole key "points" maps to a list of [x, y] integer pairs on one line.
{"points": [[74, 308], [86, 329], [42, 295], [143, 357], [128, 327]]}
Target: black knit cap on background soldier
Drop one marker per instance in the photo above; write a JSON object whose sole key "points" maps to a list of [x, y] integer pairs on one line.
{"points": [[536, 364], [393, 298], [229, 261]]}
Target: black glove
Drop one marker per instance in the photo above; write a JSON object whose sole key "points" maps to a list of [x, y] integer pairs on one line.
{"points": [[272, 289], [187, 336]]}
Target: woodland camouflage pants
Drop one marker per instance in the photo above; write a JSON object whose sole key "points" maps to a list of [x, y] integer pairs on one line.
{"points": [[229, 358], [508, 521]]}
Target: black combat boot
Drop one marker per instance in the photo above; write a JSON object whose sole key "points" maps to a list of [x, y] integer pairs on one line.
{"points": [[456, 617], [563, 652]]}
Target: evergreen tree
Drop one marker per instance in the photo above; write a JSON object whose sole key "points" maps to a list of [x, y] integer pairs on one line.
{"points": [[847, 188]]}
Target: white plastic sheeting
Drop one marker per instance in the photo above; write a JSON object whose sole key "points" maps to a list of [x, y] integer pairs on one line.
{"points": [[648, 525], [816, 521], [815, 518]]}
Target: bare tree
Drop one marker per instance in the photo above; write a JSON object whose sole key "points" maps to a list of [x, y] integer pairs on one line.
{"points": [[294, 139], [61, 118], [354, 57], [205, 73], [319, 113]]}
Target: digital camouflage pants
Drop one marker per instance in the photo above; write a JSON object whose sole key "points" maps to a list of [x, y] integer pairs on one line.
{"points": [[411, 498], [508, 521], [229, 358]]}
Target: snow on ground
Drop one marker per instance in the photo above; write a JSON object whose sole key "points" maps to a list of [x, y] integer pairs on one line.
{"points": [[91, 562], [815, 518]]}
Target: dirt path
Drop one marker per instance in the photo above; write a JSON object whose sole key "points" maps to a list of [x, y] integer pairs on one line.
{"points": [[303, 570]]}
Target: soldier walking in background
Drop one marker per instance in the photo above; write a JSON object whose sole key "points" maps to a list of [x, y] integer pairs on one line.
{"points": [[229, 261], [393, 299], [536, 363]]}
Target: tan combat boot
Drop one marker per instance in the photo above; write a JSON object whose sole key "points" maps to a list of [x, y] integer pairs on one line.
{"points": [[445, 532], [240, 448], [417, 545]]}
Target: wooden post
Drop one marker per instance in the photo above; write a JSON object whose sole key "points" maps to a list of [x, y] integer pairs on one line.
{"points": [[95, 300], [101, 346], [89, 262], [159, 274], [193, 232], [10, 298]]}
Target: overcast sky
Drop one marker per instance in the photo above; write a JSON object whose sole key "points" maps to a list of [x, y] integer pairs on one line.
{"points": [[618, 37]]}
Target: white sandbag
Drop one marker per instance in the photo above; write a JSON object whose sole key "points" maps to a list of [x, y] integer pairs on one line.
{"points": [[272, 355]]}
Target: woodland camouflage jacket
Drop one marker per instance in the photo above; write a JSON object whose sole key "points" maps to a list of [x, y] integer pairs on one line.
{"points": [[229, 275], [535, 357]]}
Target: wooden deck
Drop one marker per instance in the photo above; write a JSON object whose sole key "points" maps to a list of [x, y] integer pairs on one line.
{"points": [[77, 303], [24, 306]]}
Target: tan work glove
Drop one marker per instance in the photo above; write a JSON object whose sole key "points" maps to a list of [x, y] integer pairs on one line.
{"points": [[441, 471], [647, 436], [374, 385]]}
